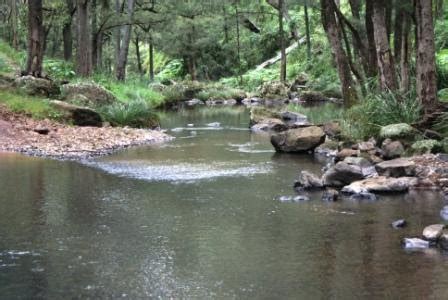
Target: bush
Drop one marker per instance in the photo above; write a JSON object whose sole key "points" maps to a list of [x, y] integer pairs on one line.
{"points": [[137, 114], [59, 69], [365, 120]]}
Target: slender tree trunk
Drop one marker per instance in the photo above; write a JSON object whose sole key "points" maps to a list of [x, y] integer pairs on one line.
{"points": [[36, 39], [117, 33], [137, 53], [439, 9], [426, 78], [99, 50], [355, 7], [127, 32], [398, 28], [372, 69], [94, 30], [342, 63], [238, 40], [14, 17], [282, 41], [83, 53], [67, 32], [151, 59], [386, 65], [405, 54], [307, 31]]}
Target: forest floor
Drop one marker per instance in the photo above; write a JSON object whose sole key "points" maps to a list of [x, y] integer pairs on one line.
{"points": [[19, 133]]}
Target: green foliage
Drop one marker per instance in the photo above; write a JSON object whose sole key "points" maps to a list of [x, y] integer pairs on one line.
{"points": [[441, 124], [59, 69], [136, 113], [34, 107], [442, 69], [219, 92], [365, 120], [171, 71]]}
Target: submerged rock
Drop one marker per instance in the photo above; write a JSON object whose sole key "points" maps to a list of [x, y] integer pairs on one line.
{"points": [[330, 195], [363, 196], [433, 232], [299, 198], [415, 243], [381, 184], [398, 167], [399, 223], [298, 140], [308, 181]]}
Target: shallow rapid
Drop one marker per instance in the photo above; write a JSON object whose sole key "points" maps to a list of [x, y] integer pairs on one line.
{"points": [[201, 217]]}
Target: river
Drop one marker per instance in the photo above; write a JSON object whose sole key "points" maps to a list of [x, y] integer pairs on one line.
{"points": [[200, 218]]}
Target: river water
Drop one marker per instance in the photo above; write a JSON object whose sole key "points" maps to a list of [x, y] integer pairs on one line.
{"points": [[200, 218]]}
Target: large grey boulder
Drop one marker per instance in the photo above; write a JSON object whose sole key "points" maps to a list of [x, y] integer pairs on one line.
{"points": [[398, 167], [87, 94], [433, 232], [348, 171], [35, 86], [80, 116], [381, 184], [298, 140]]}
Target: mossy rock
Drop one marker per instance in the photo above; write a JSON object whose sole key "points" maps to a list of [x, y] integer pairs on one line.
{"points": [[398, 131], [426, 146], [87, 94], [35, 86]]}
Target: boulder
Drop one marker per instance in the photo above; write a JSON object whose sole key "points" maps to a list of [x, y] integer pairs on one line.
{"points": [[87, 94], [367, 169], [270, 124], [366, 146], [332, 129], [363, 197], [342, 174], [398, 132], [398, 167], [330, 195], [258, 114], [294, 118], [433, 232], [298, 140], [401, 223], [37, 86], [415, 243], [392, 149], [274, 90], [426, 146], [341, 155], [81, 116], [308, 181], [443, 240], [381, 184]]}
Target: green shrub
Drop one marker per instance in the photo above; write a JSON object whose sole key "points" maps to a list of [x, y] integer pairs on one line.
{"points": [[137, 114], [442, 69], [59, 69]]}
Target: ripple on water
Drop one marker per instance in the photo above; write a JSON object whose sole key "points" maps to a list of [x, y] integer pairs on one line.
{"points": [[181, 172]]}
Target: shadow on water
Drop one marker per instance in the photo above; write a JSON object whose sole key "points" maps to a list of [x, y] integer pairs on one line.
{"points": [[202, 221]]}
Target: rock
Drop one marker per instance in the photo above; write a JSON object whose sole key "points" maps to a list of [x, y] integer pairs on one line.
{"points": [[299, 198], [42, 130], [363, 197], [329, 148], [341, 155], [308, 181], [81, 116], [415, 243], [258, 114], [401, 223], [443, 240], [330, 195], [397, 131], [392, 149], [298, 140], [342, 174], [194, 102], [87, 94], [270, 124], [332, 129], [444, 213], [398, 167], [433, 232], [381, 184], [274, 90], [366, 146], [367, 169], [294, 118], [311, 97], [426, 147], [214, 124], [37, 86]]}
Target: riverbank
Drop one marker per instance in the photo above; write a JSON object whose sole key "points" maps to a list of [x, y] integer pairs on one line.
{"points": [[46, 138]]}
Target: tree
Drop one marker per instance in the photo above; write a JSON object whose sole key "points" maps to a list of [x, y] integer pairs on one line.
{"points": [[83, 53], [67, 30], [426, 78], [36, 36], [281, 8], [124, 49]]}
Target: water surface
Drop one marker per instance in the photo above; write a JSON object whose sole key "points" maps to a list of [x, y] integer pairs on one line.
{"points": [[199, 218]]}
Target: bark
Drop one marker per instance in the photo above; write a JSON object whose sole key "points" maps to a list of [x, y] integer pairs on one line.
{"points": [[127, 32], [398, 28], [405, 54], [14, 31], [275, 4], [83, 53], [439, 9], [332, 30], [117, 32], [151, 60], [67, 32], [385, 60], [426, 79], [371, 68], [35, 51], [355, 7], [282, 41], [94, 41], [137, 52], [307, 31]]}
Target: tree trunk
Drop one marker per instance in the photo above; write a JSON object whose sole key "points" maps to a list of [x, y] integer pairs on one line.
{"points": [[282, 41], [398, 28], [83, 53], [14, 17], [67, 32], [117, 33], [137, 53], [307, 31], [386, 65], [35, 51], [355, 7], [94, 30], [439, 9], [127, 32], [151, 60], [334, 37], [372, 69], [405, 54], [426, 78]]}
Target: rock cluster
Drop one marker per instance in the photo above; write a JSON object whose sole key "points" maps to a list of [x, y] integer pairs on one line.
{"points": [[432, 235]]}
